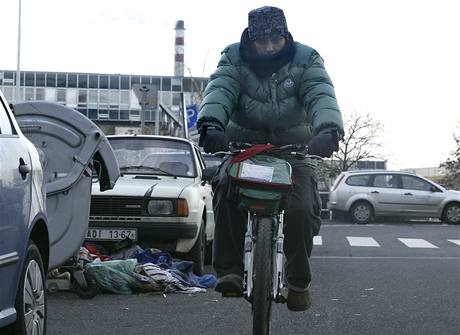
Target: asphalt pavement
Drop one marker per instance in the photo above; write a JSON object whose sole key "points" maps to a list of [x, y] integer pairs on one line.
{"points": [[398, 278]]}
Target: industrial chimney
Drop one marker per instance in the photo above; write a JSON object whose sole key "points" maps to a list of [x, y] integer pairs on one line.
{"points": [[179, 49]]}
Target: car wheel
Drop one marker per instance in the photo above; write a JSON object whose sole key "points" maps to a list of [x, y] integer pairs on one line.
{"points": [[198, 251], [452, 214], [31, 298], [361, 212]]}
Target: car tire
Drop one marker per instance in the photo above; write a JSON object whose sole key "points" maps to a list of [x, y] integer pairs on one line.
{"points": [[32, 280], [451, 214], [362, 212], [198, 252]]}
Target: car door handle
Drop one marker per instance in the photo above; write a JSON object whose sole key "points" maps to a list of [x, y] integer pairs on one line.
{"points": [[24, 169], [375, 192], [408, 193]]}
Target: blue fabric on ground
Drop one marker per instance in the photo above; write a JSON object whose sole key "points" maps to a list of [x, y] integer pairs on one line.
{"points": [[162, 259], [182, 270]]}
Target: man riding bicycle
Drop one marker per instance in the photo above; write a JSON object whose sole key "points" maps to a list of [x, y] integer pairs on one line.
{"points": [[269, 89]]}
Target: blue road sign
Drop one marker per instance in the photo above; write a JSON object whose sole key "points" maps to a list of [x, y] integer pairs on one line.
{"points": [[192, 115]]}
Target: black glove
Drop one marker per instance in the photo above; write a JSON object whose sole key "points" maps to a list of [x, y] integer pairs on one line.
{"points": [[324, 143], [213, 140]]}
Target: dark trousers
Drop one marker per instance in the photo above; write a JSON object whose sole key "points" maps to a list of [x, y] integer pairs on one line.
{"points": [[301, 222]]}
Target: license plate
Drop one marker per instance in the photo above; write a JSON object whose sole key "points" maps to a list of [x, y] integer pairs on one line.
{"points": [[110, 234]]}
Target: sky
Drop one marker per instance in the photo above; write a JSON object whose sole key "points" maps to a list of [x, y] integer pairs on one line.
{"points": [[398, 60]]}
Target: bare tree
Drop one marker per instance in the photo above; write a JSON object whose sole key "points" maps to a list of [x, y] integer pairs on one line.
{"points": [[452, 167], [361, 141]]}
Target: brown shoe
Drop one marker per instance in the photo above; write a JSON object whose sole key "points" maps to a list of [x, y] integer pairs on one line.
{"points": [[298, 301]]}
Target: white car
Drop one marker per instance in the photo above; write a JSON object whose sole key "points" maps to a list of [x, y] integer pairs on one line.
{"points": [[160, 199]]}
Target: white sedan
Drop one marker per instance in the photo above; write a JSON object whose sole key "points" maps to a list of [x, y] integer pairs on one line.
{"points": [[160, 199]]}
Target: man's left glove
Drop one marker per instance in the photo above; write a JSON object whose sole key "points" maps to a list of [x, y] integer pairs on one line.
{"points": [[324, 143], [213, 140]]}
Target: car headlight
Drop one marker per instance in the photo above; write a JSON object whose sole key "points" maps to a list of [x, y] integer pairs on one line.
{"points": [[160, 207]]}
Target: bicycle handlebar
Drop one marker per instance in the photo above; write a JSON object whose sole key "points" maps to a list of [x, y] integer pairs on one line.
{"points": [[296, 150]]}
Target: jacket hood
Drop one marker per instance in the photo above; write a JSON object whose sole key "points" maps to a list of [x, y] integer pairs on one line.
{"points": [[265, 66]]}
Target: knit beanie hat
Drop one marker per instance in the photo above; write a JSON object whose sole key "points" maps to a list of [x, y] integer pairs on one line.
{"points": [[266, 21]]}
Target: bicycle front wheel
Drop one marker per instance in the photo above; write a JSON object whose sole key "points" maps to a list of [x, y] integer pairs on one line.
{"points": [[261, 303]]}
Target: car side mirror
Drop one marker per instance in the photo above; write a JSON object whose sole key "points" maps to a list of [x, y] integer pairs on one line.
{"points": [[434, 189], [209, 173]]}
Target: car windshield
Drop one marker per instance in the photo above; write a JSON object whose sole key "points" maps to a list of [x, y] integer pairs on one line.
{"points": [[137, 155]]}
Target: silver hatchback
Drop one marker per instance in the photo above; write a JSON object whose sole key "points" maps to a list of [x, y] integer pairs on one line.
{"points": [[368, 194]]}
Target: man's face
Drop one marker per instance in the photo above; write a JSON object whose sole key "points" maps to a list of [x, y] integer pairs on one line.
{"points": [[269, 45]]}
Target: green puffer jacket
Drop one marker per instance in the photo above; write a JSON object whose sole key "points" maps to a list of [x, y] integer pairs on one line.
{"points": [[290, 107]]}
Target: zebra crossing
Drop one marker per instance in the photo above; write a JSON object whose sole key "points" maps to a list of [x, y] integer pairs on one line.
{"points": [[360, 241]]}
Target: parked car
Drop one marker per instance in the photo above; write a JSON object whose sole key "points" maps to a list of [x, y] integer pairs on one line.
{"points": [[24, 246], [46, 153], [368, 194], [160, 199]]}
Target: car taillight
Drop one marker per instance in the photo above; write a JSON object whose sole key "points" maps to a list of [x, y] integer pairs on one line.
{"points": [[337, 182], [182, 208]]}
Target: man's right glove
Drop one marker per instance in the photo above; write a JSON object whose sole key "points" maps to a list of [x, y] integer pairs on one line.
{"points": [[213, 140], [324, 143]]}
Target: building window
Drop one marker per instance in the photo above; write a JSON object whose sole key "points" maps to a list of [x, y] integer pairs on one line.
{"points": [[103, 82], [29, 94], [113, 115], [156, 81], [135, 80], [187, 84], [61, 95], [72, 97], [51, 79], [93, 81], [114, 82], [124, 115], [145, 80], [82, 81], [103, 98], [39, 93], [83, 111], [40, 79], [166, 84], [82, 97], [177, 99], [72, 80], [30, 79], [124, 98], [50, 94], [8, 75], [124, 83], [92, 99], [92, 114], [8, 92], [114, 99], [61, 80], [103, 114]]}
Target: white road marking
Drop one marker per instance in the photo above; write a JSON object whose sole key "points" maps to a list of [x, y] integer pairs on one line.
{"points": [[417, 243], [362, 241], [317, 240], [455, 241]]}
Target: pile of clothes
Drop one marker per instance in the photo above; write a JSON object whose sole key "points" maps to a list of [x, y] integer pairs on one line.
{"points": [[131, 269]]}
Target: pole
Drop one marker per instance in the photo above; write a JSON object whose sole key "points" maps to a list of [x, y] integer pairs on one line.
{"points": [[18, 70], [184, 115], [144, 90]]}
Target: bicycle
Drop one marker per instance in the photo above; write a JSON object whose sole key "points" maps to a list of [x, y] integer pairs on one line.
{"points": [[261, 181]]}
